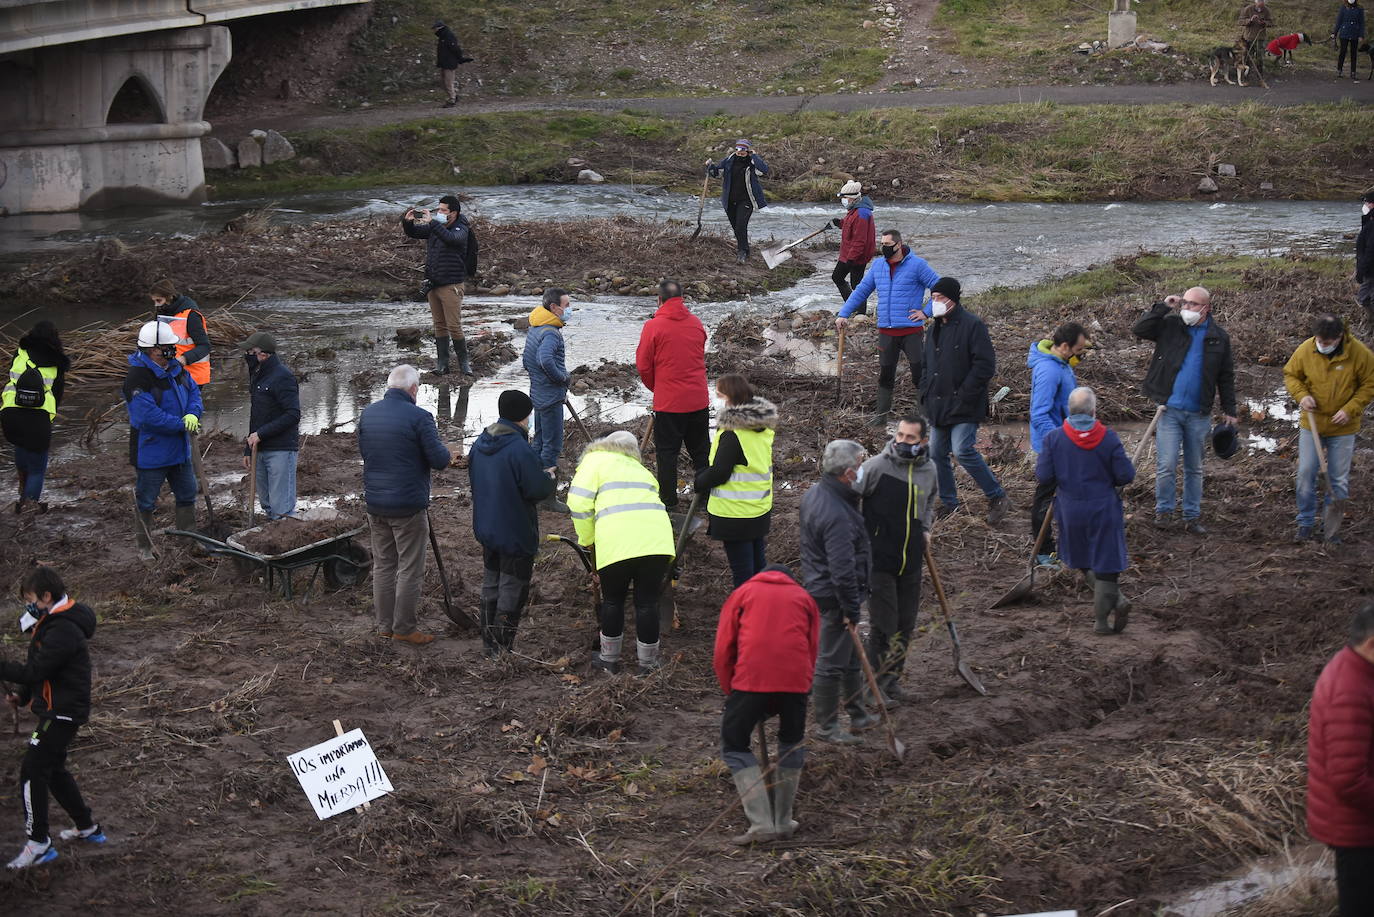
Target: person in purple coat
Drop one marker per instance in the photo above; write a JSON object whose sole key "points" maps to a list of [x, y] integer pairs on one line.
{"points": [[1086, 462]]}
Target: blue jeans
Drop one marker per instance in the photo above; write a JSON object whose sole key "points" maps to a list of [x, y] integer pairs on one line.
{"points": [[277, 482], [1339, 450], [148, 485], [548, 434], [32, 466], [1186, 431], [746, 558], [961, 439]]}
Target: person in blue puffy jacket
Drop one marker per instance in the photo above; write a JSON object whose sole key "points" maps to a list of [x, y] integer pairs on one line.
{"points": [[1051, 362], [543, 360]]}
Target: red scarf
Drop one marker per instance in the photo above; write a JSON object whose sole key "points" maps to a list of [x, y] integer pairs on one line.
{"points": [[1085, 439]]}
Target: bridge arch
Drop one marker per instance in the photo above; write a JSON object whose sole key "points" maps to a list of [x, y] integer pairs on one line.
{"points": [[136, 101]]}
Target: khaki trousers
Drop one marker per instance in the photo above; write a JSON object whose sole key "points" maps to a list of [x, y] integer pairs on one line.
{"points": [[446, 308], [398, 569], [450, 78]]}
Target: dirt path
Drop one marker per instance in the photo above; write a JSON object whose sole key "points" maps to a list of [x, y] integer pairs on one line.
{"points": [[1298, 91]]}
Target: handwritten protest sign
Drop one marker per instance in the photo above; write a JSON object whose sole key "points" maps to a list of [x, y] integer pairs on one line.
{"points": [[340, 774]]}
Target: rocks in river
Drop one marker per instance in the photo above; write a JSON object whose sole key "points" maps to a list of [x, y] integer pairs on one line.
{"points": [[215, 155], [250, 153], [276, 148], [589, 177], [409, 337], [1207, 185]]}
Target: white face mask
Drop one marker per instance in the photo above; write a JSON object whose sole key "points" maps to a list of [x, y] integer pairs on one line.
{"points": [[438, 217], [1190, 316], [1327, 348], [1366, 208], [938, 307], [859, 476]]}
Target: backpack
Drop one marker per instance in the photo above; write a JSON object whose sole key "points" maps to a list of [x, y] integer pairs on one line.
{"points": [[29, 389], [470, 254]]}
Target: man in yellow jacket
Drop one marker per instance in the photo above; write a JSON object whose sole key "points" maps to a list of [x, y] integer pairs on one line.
{"points": [[615, 508], [1331, 377]]}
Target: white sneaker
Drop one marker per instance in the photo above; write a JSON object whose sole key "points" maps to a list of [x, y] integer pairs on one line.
{"points": [[91, 835], [34, 854]]}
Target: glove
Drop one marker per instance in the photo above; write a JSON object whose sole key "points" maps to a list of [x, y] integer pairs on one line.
{"points": [[850, 617], [837, 222], [192, 423]]}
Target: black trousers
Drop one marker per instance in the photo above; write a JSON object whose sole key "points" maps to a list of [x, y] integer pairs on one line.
{"points": [[505, 590], [739, 213], [671, 432], [1041, 504], [1353, 44], [890, 350], [646, 574], [44, 770], [746, 558], [846, 276], [746, 709], [1355, 880]]}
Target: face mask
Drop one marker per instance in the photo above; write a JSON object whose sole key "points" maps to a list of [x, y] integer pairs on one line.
{"points": [[859, 476], [889, 251], [1327, 348], [437, 217], [566, 316], [1366, 208], [169, 352], [719, 404], [910, 450], [30, 616], [938, 308], [850, 203], [1190, 316]]}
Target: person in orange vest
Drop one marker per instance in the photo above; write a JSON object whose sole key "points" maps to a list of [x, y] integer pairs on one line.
{"points": [[183, 316]]}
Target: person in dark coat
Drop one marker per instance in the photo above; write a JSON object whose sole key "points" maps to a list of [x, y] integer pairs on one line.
{"points": [[448, 55], [955, 370], [447, 236], [835, 571], [1364, 258], [1348, 31], [55, 683], [274, 424], [26, 417], [1087, 463], [1340, 765], [741, 191], [508, 481], [400, 446]]}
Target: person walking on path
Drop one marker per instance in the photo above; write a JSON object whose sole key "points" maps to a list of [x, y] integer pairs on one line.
{"points": [[857, 241], [1331, 377], [1340, 765], [549, 379], [671, 359], [1087, 463], [1192, 365], [1254, 21], [765, 652], [33, 393], [898, 488], [958, 364], [901, 280], [1364, 259], [183, 316], [1051, 363], [400, 445], [55, 683], [274, 424], [835, 560], [1348, 31], [739, 480], [448, 242], [741, 191], [164, 410], [508, 480], [615, 510], [448, 56]]}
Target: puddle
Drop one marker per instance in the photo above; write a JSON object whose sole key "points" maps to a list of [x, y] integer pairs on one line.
{"points": [[1264, 876], [1278, 405]]}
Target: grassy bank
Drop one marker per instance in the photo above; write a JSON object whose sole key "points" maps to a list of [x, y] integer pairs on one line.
{"points": [[992, 153]]}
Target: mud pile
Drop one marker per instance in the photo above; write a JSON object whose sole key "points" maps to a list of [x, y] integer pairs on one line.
{"points": [[288, 533]]}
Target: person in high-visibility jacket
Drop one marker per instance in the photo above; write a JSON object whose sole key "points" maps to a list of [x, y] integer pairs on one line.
{"points": [[740, 476], [615, 509], [180, 313], [34, 389]]}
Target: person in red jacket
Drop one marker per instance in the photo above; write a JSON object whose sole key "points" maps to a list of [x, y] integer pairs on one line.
{"points": [[1340, 765], [765, 653], [671, 360], [858, 241]]}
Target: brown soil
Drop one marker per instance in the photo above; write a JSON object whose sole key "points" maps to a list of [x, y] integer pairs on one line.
{"points": [[288, 534], [1098, 771]]}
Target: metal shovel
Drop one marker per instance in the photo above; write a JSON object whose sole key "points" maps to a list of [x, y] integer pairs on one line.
{"points": [[1333, 513], [960, 666], [894, 744], [775, 256], [1022, 590]]}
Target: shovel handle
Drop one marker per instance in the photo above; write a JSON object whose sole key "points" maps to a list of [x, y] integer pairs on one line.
{"points": [[893, 744], [1154, 421], [935, 581], [1040, 538], [252, 483], [648, 434], [839, 365], [578, 420], [1316, 441], [792, 245]]}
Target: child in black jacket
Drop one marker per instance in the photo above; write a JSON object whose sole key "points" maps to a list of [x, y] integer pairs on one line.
{"points": [[55, 682]]}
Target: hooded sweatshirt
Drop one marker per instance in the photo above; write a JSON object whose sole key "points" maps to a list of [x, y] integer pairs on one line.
{"points": [[671, 359], [1052, 378], [55, 680], [30, 428], [897, 508], [507, 481], [543, 359]]}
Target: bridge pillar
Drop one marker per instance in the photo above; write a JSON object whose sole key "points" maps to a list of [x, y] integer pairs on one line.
{"points": [[58, 150]]}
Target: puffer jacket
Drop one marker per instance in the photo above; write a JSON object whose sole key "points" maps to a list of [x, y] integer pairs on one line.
{"points": [[400, 445], [858, 239], [959, 362], [756, 168], [158, 398], [671, 359], [767, 636], [31, 428], [898, 508], [1349, 22], [55, 681], [507, 481], [1052, 378], [1340, 753], [274, 411], [543, 359], [757, 414], [834, 546], [902, 289], [1172, 339], [1341, 381], [446, 249], [614, 504]]}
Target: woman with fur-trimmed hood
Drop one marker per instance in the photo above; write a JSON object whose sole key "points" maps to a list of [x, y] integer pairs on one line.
{"points": [[740, 476]]}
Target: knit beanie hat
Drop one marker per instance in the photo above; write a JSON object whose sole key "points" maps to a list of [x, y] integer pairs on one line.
{"points": [[514, 405], [947, 287]]}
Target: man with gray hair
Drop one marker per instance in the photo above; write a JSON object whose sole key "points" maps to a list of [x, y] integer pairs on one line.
{"points": [[400, 446], [835, 572]]}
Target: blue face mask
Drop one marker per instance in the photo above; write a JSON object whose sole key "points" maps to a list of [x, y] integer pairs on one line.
{"points": [[566, 316], [437, 217]]}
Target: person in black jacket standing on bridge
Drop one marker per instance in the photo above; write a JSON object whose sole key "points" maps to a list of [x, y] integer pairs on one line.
{"points": [[447, 58]]}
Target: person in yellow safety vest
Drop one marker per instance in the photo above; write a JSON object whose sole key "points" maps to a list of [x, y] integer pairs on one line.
{"points": [[615, 508], [183, 316], [740, 476], [34, 389]]}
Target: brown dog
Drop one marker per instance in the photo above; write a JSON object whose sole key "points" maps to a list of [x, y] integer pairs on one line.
{"points": [[1224, 60]]}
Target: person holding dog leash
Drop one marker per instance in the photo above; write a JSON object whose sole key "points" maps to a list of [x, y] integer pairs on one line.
{"points": [[1254, 22], [1348, 31]]}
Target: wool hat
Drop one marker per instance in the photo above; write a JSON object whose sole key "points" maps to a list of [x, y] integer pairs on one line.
{"points": [[514, 405], [947, 287], [438, 24], [262, 341], [851, 187], [744, 143], [1225, 440], [1368, 197]]}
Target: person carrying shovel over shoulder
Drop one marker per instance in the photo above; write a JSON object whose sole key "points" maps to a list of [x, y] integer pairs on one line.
{"points": [[1331, 377], [741, 191]]}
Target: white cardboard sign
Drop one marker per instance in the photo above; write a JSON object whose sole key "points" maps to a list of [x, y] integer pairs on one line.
{"points": [[340, 774]]}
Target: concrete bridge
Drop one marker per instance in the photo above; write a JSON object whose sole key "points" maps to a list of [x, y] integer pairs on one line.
{"points": [[63, 65]]}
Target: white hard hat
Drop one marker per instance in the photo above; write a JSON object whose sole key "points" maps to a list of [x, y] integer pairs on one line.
{"points": [[155, 334], [851, 187]]}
